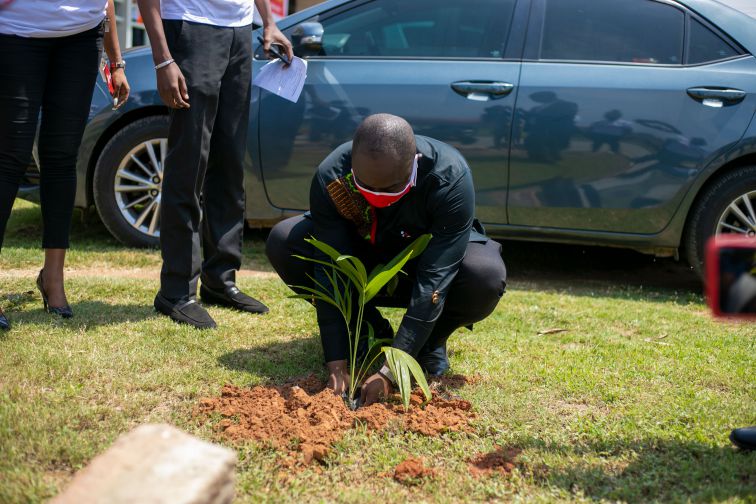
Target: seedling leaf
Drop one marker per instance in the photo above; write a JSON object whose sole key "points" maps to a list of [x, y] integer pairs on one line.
{"points": [[402, 365], [381, 277]]}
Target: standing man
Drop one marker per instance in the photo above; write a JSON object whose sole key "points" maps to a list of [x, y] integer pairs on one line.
{"points": [[202, 51], [372, 197]]}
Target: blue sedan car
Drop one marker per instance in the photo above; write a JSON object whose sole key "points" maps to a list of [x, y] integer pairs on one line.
{"points": [[626, 123]]}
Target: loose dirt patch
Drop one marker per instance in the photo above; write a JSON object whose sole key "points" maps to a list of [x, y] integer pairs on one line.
{"points": [[501, 461], [411, 471], [453, 382], [305, 419]]}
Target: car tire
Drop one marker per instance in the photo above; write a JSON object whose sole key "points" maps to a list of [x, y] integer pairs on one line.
{"points": [[713, 214], [128, 181]]}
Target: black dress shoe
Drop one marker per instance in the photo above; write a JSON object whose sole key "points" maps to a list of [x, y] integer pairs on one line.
{"points": [[185, 311], [63, 311], [434, 362], [232, 297], [744, 438], [4, 322]]}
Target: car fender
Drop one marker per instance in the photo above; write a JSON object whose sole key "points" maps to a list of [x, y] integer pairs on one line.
{"points": [[746, 146], [104, 122]]}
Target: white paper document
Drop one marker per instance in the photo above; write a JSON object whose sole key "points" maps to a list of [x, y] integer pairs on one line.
{"points": [[285, 81]]}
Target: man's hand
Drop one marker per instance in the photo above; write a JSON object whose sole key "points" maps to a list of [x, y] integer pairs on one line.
{"points": [[172, 87], [338, 376], [121, 86], [375, 388], [171, 84], [272, 35]]}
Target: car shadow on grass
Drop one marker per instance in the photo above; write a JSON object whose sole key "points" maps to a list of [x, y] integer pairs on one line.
{"points": [[599, 272], [89, 233], [648, 470]]}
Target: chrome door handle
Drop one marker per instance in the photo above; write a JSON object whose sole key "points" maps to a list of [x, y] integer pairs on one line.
{"points": [[482, 90], [716, 97]]}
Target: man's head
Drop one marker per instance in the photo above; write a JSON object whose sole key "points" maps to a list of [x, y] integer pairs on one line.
{"points": [[383, 152]]}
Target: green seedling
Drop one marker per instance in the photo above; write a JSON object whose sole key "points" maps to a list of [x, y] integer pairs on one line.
{"points": [[347, 277]]}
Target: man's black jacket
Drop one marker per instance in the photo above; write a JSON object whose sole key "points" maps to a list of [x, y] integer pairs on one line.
{"points": [[441, 203]]}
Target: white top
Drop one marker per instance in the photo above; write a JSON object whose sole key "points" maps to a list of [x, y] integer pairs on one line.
{"points": [[51, 18], [230, 13]]}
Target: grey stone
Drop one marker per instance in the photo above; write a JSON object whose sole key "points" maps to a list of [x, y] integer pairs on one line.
{"points": [[155, 464]]}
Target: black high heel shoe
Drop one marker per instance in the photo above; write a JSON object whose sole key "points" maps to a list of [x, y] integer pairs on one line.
{"points": [[4, 322], [63, 311]]}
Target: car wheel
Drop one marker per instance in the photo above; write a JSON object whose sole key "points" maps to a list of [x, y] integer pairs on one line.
{"points": [[128, 181], [727, 206]]}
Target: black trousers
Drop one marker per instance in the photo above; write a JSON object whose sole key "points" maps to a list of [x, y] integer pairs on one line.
{"points": [[473, 294], [203, 191], [56, 76]]}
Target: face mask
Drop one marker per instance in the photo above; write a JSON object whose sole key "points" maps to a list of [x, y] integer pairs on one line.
{"points": [[384, 199]]}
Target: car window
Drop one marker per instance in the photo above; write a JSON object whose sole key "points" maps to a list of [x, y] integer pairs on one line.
{"points": [[420, 28], [613, 30], [705, 45]]}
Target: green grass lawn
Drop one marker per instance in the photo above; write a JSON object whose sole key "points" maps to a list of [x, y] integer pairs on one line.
{"points": [[633, 402]]}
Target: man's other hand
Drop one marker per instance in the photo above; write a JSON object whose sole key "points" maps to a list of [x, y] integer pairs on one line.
{"points": [[272, 35], [172, 87], [375, 388], [338, 376]]}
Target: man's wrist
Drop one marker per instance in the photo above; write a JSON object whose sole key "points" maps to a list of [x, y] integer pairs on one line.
{"points": [[336, 366], [164, 64], [160, 56], [386, 373]]}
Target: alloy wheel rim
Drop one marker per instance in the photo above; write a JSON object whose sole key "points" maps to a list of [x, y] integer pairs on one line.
{"points": [[138, 185], [740, 216]]}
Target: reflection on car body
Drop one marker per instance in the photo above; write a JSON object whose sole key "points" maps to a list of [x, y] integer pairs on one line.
{"points": [[644, 139]]}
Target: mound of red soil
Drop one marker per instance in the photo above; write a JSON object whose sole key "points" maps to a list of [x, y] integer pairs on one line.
{"points": [[501, 461], [306, 423], [411, 471]]}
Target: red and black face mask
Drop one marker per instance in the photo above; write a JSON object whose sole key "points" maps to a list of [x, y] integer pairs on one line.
{"points": [[385, 199]]}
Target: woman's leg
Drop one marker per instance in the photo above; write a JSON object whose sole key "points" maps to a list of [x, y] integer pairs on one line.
{"points": [[71, 74], [22, 81], [22, 78]]}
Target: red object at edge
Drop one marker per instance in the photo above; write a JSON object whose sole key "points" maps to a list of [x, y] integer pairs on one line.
{"points": [[713, 246]]}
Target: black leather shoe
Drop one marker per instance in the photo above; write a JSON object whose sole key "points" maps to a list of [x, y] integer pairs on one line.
{"points": [[744, 438], [435, 362], [4, 322], [185, 311], [63, 311], [232, 297]]}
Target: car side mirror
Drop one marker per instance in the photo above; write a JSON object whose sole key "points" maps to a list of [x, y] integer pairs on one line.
{"points": [[731, 276], [307, 39]]}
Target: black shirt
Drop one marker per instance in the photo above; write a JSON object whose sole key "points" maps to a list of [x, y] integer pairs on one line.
{"points": [[441, 203]]}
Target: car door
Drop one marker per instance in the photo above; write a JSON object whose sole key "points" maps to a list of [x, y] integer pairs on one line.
{"points": [[441, 64], [621, 104]]}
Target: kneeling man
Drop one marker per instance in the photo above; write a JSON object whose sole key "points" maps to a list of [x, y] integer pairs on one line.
{"points": [[372, 197]]}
